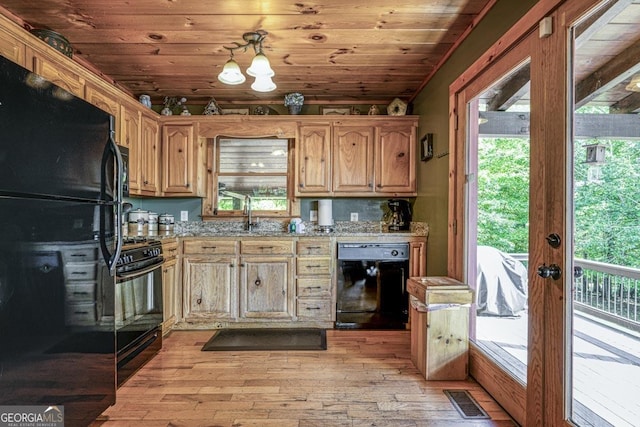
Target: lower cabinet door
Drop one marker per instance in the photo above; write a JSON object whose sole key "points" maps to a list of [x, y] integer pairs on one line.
{"points": [[266, 288], [211, 287]]}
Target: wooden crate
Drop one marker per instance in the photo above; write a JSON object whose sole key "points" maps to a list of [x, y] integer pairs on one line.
{"points": [[440, 329]]}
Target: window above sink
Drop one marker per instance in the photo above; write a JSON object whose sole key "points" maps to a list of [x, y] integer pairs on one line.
{"points": [[257, 168]]}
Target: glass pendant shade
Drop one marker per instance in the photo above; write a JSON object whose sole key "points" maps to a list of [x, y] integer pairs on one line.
{"points": [[231, 74], [260, 67], [263, 84]]}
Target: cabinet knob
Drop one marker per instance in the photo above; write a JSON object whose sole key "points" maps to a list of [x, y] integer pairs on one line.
{"points": [[257, 282]]}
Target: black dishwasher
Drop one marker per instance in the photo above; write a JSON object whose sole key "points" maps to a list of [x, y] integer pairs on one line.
{"points": [[372, 286]]}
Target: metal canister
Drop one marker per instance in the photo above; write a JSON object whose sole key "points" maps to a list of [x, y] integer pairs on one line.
{"points": [[153, 222], [166, 222], [138, 222]]}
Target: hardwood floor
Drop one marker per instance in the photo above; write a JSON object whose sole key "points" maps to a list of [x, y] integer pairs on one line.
{"points": [[364, 378]]}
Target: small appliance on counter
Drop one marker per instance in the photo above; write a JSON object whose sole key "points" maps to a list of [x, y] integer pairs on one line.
{"points": [[399, 216]]}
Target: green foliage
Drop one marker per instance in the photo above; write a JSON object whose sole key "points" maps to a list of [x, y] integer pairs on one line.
{"points": [[503, 193], [606, 199], [606, 202]]}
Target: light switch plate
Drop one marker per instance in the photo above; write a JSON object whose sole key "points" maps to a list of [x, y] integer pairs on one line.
{"points": [[184, 215], [354, 216]]}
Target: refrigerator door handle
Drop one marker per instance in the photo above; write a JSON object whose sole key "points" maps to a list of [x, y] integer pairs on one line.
{"points": [[112, 149]]}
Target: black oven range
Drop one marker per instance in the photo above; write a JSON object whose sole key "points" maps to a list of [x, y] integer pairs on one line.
{"points": [[138, 304]]}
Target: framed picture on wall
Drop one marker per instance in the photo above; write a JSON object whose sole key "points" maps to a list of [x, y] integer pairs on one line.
{"points": [[335, 111], [426, 147]]}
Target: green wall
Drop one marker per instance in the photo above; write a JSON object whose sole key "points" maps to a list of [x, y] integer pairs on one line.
{"points": [[432, 105]]}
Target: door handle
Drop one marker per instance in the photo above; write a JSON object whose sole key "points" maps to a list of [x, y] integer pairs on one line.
{"points": [[546, 271]]}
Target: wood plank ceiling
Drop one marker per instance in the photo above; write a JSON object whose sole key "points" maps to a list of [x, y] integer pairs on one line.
{"points": [[607, 58], [334, 51]]}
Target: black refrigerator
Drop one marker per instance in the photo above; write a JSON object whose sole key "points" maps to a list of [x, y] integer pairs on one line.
{"points": [[60, 207]]}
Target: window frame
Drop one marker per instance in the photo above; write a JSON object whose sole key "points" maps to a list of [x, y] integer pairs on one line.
{"points": [[210, 203]]}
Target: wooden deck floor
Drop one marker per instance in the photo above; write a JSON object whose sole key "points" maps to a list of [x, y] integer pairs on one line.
{"points": [[606, 366], [364, 378]]}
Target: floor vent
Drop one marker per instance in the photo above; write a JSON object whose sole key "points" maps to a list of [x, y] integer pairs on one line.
{"points": [[466, 404]]}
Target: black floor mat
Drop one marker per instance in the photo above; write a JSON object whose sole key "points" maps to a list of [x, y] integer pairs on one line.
{"points": [[267, 339]]}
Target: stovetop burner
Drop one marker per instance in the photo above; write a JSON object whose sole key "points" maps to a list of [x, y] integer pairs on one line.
{"points": [[138, 253]]}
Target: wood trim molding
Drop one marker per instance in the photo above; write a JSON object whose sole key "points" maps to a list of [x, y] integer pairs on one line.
{"points": [[502, 387], [511, 38]]}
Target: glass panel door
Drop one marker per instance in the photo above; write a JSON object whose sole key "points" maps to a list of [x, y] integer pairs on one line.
{"points": [[498, 233], [605, 309]]}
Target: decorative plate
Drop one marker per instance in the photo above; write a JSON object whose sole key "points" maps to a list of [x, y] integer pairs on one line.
{"points": [[397, 108]]}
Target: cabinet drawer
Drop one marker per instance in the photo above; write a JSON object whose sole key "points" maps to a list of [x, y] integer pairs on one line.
{"points": [[316, 309], [313, 247], [82, 254], [313, 266], [314, 287], [81, 271], [80, 292], [169, 250], [80, 314], [212, 247], [266, 247]]}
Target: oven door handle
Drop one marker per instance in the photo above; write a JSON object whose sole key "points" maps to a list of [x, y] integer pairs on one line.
{"points": [[133, 274]]}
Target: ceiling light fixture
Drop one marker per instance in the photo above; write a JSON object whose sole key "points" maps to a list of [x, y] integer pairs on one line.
{"points": [[260, 67]]}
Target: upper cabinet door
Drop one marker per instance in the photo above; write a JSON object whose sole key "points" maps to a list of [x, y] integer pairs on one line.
{"points": [[353, 158], [149, 156], [11, 48], [395, 160], [59, 75], [183, 163], [314, 166], [177, 152], [130, 138]]}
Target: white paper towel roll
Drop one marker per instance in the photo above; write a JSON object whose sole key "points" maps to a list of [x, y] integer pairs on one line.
{"points": [[325, 213]]}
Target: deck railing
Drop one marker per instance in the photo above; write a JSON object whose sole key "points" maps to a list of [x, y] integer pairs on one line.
{"points": [[606, 290]]}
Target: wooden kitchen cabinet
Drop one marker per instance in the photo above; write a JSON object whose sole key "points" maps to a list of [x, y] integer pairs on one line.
{"points": [[210, 280], [395, 150], [314, 160], [170, 289], [352, 159], [247, 281], [149, 176], [266, 284], [12, 48], [417, 259], [57, 73], [130, 138], [357, 157], [105, 101], [183, 163], [314, 283], [140, 134], [265, 288]]}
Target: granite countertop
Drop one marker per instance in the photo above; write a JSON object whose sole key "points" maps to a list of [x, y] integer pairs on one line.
{"points": [[278, 229]]}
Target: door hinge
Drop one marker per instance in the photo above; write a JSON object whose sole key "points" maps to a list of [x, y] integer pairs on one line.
{"points": [[455, 121], [454, 227]]}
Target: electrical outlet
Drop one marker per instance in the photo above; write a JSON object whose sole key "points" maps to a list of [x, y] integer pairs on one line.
{"points": [[184, 215], [354, 216], [313, 215]]}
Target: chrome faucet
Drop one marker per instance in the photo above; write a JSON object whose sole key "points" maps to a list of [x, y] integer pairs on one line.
{"points": [[247, 212]]}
